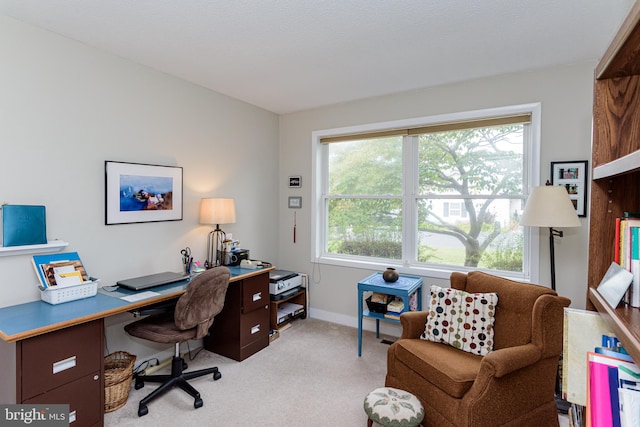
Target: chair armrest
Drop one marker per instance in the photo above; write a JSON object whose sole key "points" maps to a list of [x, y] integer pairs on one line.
{"points": [[413, 323], [507, 360]]}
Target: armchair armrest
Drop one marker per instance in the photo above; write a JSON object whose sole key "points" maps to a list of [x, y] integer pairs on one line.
{"points": [[413, 323], [507, 360]]}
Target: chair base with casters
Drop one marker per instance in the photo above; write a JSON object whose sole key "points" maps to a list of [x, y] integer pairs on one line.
{"points": [[190, 319], [177, 378]]}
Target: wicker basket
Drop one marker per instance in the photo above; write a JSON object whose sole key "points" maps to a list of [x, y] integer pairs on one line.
{"points": [[118, 373]]}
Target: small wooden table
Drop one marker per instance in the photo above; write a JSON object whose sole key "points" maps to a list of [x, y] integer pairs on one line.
{"points": [[404, 287]]}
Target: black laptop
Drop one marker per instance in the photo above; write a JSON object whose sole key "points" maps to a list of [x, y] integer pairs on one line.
{"points": [[152, 280]]}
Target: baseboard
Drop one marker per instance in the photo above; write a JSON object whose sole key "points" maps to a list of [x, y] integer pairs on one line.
{"points": [[386, 328]]}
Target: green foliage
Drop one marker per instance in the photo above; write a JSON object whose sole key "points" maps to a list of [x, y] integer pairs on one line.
{"points": [[505, 254], [371, 248]]}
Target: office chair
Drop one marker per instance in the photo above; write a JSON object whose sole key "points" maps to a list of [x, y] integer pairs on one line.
{"points": [[190, 320]]}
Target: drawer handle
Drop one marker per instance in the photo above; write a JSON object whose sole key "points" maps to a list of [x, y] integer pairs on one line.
{"points": [[63, 365], [257, 297], [255, 329], [72, 417]]}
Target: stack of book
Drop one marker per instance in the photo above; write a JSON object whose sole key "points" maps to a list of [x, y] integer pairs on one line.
{"points": [[394, 309], [627, 252], [613, 388]]}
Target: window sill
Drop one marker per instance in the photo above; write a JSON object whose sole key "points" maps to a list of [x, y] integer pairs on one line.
{"points": [[421, 270]]}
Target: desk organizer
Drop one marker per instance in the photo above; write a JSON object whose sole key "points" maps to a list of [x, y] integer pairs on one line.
{"points": [[59, 295]]}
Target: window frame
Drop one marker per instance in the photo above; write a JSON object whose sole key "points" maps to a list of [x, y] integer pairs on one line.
{"points": [[319, 185]]}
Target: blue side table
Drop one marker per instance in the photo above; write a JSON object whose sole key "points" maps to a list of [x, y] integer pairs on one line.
{"points": [[404, 287]]}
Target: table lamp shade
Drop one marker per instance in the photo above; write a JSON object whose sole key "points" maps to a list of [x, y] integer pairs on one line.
{"points": [[217, 211], [549, 206]]}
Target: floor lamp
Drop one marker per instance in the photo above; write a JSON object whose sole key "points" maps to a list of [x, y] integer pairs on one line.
{"points": [[215, 212], [550, 206]]}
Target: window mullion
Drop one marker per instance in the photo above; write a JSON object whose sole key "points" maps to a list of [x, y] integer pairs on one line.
{"points": [[409, 206]]}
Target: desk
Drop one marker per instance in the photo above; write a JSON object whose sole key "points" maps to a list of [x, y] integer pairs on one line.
{"points": [[403, 288], [55, 353]]}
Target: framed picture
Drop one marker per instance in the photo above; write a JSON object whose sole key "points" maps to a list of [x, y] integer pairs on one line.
{"points": [[295, 202], [136, 192], [573, 177], [295, 181]]}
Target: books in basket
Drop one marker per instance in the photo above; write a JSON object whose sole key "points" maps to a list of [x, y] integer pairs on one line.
{"points": [[60, 270]]}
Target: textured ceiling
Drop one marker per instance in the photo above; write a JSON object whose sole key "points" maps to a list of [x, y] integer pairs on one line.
{"points": [[292, 55]]}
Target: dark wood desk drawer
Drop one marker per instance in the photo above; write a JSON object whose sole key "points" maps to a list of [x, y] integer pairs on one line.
{"points": [[254, 325], [80, 395], [51, 360], [255, 293]]}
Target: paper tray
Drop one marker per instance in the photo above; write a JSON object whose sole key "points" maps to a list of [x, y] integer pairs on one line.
{"points": [[70, 293]]}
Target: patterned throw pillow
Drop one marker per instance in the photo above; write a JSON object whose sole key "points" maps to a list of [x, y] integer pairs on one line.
{"points": [[461, 319]]}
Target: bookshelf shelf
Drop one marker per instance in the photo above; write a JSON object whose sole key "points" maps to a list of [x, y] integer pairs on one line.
{"points": [[627, 164], [615, 156], [52, 246], [624, 322]]}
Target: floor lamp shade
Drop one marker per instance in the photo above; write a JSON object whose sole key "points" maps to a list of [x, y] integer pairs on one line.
{"points": [[215, 212], [549, 206]]}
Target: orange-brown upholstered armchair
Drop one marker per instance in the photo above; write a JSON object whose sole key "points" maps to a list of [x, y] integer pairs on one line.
{"points": [[512, 385]]}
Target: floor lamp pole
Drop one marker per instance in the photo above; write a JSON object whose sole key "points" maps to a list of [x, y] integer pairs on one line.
{"points": [[552, 233], [563, 405]]}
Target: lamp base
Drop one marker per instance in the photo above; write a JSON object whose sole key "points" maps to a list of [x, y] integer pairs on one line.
{"points": [[563, 405]]}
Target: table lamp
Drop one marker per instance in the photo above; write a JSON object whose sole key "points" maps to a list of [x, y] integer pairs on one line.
{"points": [[216, 211]]}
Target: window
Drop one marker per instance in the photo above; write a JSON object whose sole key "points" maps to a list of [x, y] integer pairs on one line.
{"points": [[433, 195]]}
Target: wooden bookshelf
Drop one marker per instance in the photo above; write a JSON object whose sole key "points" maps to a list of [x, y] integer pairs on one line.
{"points": [[615, 159]]}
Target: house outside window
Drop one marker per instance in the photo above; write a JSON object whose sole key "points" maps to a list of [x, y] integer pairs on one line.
{"points": [[430, 195]]}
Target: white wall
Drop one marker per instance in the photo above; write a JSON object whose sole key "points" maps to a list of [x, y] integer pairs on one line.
{"points": [[566, 97], [65, 108]]}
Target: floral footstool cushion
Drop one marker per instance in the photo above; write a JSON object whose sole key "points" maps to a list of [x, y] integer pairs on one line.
{"points": [[392, 407]]}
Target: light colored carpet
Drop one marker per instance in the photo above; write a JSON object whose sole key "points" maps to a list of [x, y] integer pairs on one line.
{"points": [[310, 376]]}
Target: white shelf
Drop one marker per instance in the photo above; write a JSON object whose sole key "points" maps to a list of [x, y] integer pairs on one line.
{"points": [[52, 246], [628, 163]]}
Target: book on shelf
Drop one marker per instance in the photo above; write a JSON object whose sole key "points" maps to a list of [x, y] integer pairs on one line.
{"points": [[23, 225], [60, 270]]}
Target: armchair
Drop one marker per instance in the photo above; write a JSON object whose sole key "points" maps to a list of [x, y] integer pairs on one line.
{"points": [[190, 320], [512, 385]]}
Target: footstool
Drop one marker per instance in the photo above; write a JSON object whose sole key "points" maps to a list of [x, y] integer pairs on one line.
{"points": [[391, 407]]}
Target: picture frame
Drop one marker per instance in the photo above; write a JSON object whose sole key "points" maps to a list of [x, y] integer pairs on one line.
{"points": [[295, 181], [295, 202], [138, 192], [573, 176]]}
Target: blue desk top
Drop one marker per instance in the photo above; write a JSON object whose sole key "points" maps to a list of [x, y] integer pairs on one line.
{"points": [[34, 318]]}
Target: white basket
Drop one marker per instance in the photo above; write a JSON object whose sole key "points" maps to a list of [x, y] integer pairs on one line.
{"points": [[70, 293]]}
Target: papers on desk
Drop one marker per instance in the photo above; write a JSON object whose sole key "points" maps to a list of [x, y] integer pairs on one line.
{"points": [[140, 296]]}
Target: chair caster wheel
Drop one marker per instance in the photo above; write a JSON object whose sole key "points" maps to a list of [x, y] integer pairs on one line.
{"points": [[217, 376], [139, 384], [143, 410], [184, 366], [198, 403]]}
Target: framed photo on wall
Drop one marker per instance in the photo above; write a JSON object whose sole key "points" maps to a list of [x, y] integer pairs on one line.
{"points": [[295, 202], [137, 192], [295, 181], [573, 177]]}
